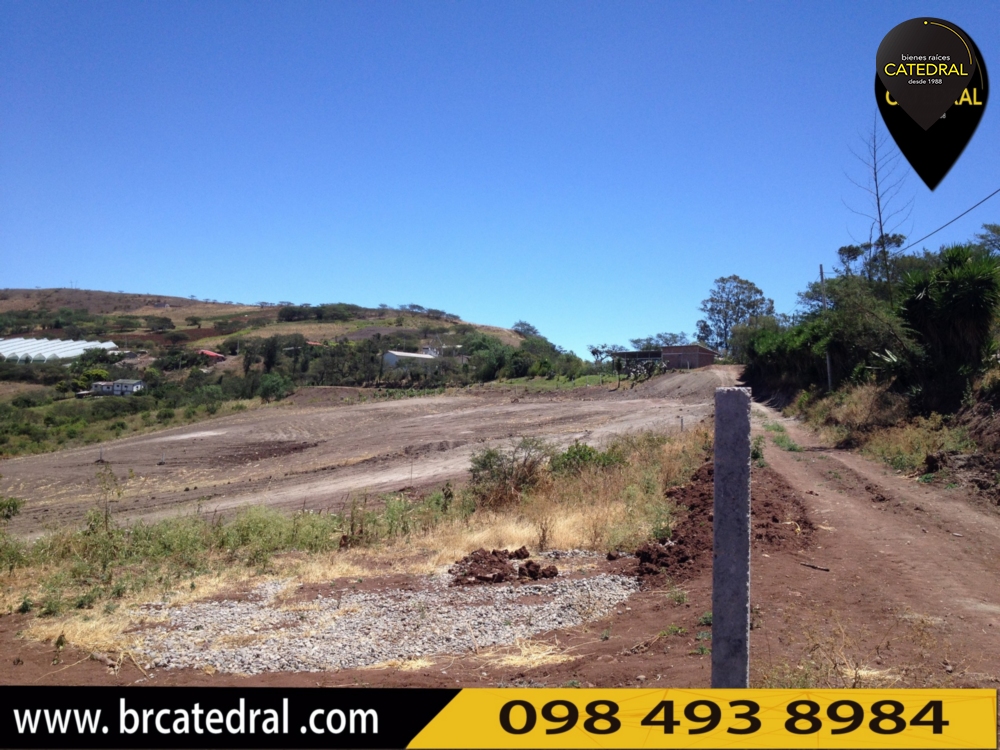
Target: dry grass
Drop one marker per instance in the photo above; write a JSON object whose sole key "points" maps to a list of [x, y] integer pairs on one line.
{"points": [[837, 658], [403, 665], [332, 330], [613, 507], [867, 406], [204, 310], [525, 654], [906, 447], [622, 506], [874, 419], [8, 389]]}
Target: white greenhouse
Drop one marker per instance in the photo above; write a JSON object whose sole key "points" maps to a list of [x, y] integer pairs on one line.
{"points": [[28, 351]]}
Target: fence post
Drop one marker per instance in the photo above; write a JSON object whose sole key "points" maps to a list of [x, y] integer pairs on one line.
{"points": [[731, 543]]}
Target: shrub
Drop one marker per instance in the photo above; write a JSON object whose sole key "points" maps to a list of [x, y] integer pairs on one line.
{"points": [[275, 386], [499, 477], [786, 443], [579, 456]]}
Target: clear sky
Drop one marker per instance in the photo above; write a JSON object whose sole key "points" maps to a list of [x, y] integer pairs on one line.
{"points": [[590, 167]]}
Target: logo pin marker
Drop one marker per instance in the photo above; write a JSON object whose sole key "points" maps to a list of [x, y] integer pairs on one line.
{"points": [[931, 87]]}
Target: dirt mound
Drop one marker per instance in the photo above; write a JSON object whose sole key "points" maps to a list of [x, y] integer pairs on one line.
{"points": [[691, 386], [983, 422], [481, 567], [258, 451], [978, 471], [778, 521], [327, 395], [534, 570]]}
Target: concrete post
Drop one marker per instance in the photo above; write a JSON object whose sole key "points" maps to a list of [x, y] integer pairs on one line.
{"points": [[731, 545]]}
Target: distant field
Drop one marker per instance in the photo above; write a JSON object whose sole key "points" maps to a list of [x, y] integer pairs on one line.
{"points": [[541, 384], [355, 330], [101, 303], [311, 452]]}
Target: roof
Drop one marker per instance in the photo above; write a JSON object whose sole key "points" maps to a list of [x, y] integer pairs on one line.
{"points": [[47, 350], [411, 355], [688, 348], [210, 353], [127, 382]]}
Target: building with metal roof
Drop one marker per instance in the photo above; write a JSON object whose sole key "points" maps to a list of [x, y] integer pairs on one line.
{"points": [[27, 351], [395, 359]]}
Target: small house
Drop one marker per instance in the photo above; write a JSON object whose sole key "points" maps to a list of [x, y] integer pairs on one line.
{"points": [[687, 357], [128, 387], [102, 388]]}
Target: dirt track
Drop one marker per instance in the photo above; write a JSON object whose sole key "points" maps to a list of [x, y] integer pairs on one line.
{"points": [[317, 456]]}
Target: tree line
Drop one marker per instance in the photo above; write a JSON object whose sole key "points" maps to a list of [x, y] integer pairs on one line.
{"points": [[925, 323]]}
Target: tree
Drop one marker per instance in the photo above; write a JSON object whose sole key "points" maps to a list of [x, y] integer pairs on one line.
{"points": [[652, 343], [599, 352], [952, 310], [193, 320], [274, 386], [886, 209], [731, 302], [989, 238], [525, 329], [158, 323]]}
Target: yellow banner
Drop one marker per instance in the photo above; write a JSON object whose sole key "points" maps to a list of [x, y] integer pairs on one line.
{"points": [[641, 718]]}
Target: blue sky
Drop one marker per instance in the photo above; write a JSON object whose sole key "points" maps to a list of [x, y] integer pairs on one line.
{"points": [[590, 167]]}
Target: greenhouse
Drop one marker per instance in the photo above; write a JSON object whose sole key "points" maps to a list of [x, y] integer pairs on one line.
{"points": [[37, 351]]}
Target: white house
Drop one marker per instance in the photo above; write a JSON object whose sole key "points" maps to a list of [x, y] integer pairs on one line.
{"points": [[102, 388], [128, 387]]}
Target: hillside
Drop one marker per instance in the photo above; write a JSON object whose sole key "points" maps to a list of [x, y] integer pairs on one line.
{"points": [[268, 351], [219, 320]]}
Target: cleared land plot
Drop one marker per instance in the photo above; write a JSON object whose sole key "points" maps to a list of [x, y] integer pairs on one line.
{"points": [[317, 457]]}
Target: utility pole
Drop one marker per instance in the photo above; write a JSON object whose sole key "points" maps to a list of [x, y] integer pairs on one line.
{"points": [[829, 370], [731, 540]]}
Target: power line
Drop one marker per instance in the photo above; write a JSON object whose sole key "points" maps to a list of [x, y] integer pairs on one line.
{"points": [[950, 222]]}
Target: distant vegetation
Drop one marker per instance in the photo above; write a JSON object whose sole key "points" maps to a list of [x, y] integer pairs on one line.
{"points": [[924, 323], [183, 384], [909, 337]]}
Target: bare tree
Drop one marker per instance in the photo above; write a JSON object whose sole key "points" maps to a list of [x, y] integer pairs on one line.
{"points": [[886, 207]]}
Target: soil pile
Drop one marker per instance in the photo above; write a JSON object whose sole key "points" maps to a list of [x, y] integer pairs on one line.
{"points": [[778, 521], [481, 567], [534, 571]]}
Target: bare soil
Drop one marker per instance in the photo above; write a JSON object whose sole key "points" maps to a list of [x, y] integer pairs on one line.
{"points": [[860, 576], [304, 454]]}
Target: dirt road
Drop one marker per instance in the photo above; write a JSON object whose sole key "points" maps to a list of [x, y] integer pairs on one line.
{"points": [[911, 591], [316, 456]]}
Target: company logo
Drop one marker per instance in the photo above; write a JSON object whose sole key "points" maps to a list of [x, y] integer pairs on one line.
{"points": [[931, 87]]}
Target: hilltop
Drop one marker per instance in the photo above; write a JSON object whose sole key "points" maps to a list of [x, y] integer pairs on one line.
{"points": [[123, 316]]}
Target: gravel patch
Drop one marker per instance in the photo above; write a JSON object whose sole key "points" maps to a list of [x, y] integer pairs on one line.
{"points": [[360, 629]]}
